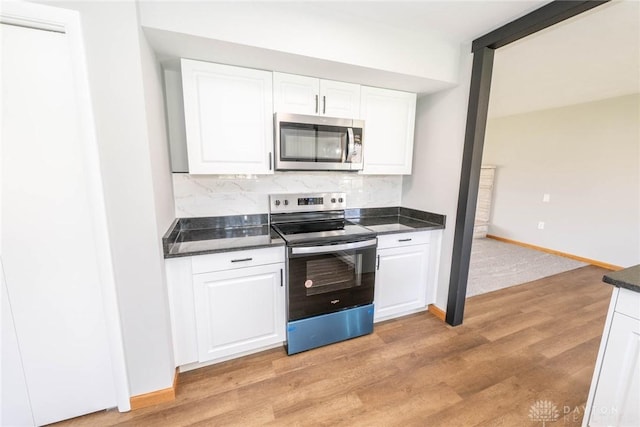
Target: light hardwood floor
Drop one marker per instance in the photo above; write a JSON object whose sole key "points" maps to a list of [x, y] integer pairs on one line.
{"points": [[517, 346]]}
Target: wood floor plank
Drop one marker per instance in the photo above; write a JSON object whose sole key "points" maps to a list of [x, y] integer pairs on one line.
{"points": [[570, 338], [333, 408], [536, 341], [517, 323], [481, 375], [479, 407], [401, 404]]}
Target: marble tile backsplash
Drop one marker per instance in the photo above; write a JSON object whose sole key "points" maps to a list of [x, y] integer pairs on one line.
{"points": [[217, 195]]}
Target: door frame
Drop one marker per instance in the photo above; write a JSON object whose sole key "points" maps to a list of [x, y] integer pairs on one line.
{"points": [[483, 49], [67, 21]]}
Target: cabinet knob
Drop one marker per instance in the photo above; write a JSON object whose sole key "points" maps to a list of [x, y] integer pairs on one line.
{"points": [[286, 202], [333, 200], [340, 200], [277, 202]]}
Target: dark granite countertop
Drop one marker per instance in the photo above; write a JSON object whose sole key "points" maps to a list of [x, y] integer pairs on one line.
{"points": [[629, 278], [396, 219], [197, 236]]}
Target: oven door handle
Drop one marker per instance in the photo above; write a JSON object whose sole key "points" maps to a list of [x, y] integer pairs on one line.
{"points": [[333, 248]]}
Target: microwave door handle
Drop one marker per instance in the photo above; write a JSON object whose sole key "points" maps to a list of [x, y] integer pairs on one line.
{"points": [[350, 145], [345, 147]]}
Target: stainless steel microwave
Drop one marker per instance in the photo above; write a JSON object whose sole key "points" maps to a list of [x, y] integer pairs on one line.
{"points": [[305, 142]]}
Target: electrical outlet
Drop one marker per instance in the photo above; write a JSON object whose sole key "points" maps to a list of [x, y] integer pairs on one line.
{"points": [[546, 197], [540, 225]]}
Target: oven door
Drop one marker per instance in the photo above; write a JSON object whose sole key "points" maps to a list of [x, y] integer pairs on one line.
{"points": [[329, 278]]}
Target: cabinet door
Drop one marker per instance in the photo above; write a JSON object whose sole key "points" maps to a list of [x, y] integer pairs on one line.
{"points": [[308, 95], [401, 281], [618, 389], [239, 310], [389, 119], [228, 118], [296, 94], [339, 99]]}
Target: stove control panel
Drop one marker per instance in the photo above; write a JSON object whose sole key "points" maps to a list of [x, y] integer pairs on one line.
{"points": [[307, 202]]}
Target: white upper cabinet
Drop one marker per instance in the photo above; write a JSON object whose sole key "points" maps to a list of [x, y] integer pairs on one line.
{"points": [[309, 95], [295, 94], [389, 117], [228, 118], [340, 99]]}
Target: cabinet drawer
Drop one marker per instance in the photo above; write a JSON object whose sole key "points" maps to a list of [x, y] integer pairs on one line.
{"points": [[403, 239], [236, 259], [628, 303]]}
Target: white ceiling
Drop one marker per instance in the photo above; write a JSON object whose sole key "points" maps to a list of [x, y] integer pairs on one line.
{"points": [[459, 21], [595, 55]]}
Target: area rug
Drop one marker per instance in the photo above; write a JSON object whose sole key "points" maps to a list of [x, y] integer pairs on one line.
{"points": [[496, 265]]}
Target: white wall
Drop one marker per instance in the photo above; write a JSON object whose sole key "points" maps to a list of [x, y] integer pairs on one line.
{"points": [[587, 158], [157, 131], [302, 30], [437, 158], [127, 134]]}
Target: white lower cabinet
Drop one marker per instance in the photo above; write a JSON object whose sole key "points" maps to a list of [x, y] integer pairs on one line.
{"points": [[226, 305], [404, 275], [239, 310], [615, 390]]}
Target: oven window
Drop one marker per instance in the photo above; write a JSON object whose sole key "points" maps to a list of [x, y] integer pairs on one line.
{"points": [[339, 271]]}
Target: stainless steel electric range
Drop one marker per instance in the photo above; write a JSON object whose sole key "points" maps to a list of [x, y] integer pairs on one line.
{"points": [[330, 269]]}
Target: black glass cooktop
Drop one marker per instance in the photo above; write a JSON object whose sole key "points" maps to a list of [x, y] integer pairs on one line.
{"points": [[310, 227], [322, 232]]}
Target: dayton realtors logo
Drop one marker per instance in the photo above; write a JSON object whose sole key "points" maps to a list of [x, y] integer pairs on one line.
{"points": [[544, 411]]}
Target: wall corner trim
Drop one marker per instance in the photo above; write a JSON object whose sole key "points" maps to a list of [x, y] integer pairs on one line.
{"points": [[155, 397]]}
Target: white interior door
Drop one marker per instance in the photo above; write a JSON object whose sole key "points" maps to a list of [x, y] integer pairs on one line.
{"points": [[48, 243], [15, 409]]}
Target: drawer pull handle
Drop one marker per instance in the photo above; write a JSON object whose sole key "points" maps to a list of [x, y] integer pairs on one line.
{"points": [[241, 259], [404, 240]]}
